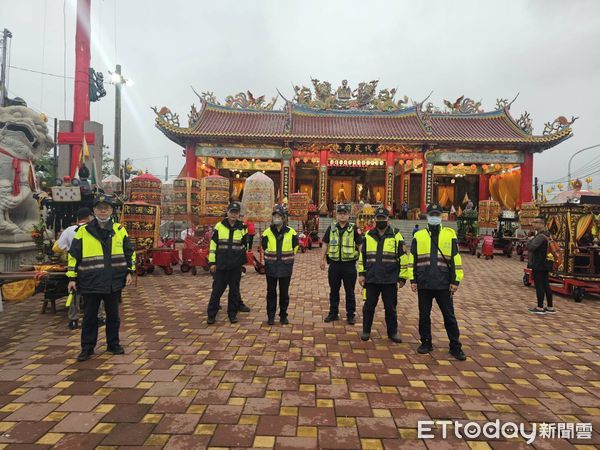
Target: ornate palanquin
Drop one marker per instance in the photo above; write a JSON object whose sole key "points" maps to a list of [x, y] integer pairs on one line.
{"points": [[145, 188], [142, 222], [565, 222]]}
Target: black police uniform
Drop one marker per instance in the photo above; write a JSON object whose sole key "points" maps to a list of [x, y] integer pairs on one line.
{"points": [[229, 256], [342, 271]]}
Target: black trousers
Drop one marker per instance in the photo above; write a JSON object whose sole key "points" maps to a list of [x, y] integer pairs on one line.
{"points": [[542, 287], [389, 295], [284, 297], [250, 241], [222, 279], [89, 327], [342, 272], [446, 304]]}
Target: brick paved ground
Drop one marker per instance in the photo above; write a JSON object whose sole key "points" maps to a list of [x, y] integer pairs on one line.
{"points": [[308, 385]]}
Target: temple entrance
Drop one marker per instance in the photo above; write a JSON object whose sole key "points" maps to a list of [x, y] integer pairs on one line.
{"points": [[355, 185]]}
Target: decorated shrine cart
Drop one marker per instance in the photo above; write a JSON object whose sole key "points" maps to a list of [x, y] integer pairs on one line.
{"points": [[142, 221], [298, 210], [505, 236], [574, 226], [467, 231]]}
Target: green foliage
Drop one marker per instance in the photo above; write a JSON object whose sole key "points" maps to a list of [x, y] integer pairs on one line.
{"points": [[45, 170], [107, 164]]}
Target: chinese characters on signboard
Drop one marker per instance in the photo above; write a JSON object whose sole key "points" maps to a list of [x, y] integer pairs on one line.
{"points": [[406, 188], [323, 186], [428, 185], [389, 187], [358, 148], [285, 182]]}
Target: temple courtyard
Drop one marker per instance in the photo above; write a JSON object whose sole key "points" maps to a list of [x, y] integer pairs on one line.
{"points": [[183, 384]]}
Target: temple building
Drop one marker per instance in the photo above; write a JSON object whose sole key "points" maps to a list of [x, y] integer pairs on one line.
{"points": [[351, 145]]}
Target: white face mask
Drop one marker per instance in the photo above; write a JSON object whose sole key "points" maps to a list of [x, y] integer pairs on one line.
{"points": [[277, 220], [434, 220]]}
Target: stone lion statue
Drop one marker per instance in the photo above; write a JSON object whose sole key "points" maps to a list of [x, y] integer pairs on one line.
{"points": [[23, 139]]}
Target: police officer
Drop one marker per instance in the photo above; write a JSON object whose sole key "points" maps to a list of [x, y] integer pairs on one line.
{"points": [[382, 267], [435, 272], [101, 262], [226, 256], [340, 250], [280, 244]]}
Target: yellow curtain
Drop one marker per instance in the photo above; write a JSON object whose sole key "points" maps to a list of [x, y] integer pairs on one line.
{"points": [[445, 195], [583, 225], [505, 188]]}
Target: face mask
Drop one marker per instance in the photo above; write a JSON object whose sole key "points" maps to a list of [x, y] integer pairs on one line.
{"points": [[103, 220], [277, 220], [434, 220], [381, 224]]}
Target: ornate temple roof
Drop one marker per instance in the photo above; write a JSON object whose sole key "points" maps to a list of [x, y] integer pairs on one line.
{"points": [[334, 118]]}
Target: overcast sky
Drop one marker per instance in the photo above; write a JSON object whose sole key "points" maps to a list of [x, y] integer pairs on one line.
{"points": [[548, 50]]}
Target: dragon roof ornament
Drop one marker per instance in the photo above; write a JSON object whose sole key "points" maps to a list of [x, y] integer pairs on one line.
{"points": [[364, 97], [559, 124]]}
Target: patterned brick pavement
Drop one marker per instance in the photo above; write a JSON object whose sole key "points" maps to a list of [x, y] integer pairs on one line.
{"points": [[308, 385]]}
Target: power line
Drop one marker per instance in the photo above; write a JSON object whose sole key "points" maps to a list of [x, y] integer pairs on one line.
{"points": [[39, 72], [592, 164]]}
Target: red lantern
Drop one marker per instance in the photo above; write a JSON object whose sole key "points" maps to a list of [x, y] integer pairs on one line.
{"points": [[484, 166], [408, 162], [450, 166], [473, 167]]}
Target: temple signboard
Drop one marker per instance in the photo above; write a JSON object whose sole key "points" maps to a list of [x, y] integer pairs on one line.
{"points": [[474, 157], [239, 152], [249, 165]]}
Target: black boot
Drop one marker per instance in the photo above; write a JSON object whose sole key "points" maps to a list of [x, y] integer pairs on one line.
{"points": [[331, 317], [365, 336], [116, 350], [271, 321], [395, 338], [210, 320], [85, 355], [458, 354], [425, 348], [72, 325], [243, 308], [351, 320]]}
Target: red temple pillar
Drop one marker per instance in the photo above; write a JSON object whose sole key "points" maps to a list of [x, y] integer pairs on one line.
{"points": [[401, 190], [526, 179], [484, 187], [423, 183], [190, 161], [389, 181], [323, 162], [81, 104]]}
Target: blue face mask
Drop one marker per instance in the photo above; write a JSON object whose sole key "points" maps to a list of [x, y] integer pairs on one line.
{"points": [[434, 220]]}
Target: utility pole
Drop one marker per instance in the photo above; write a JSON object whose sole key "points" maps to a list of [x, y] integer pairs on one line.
{"points": [[535, 184], [118, 80], [167, 169], [6, 35]]}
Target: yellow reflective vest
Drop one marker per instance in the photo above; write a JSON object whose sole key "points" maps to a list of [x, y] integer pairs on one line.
{"points": [[435, 268], [280, 248], [382, 259], [344, 247], [100, 266], [228, 245]]}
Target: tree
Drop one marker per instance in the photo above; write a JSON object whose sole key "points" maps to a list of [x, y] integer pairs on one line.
{"points": [[45, 170], [107, 164]]}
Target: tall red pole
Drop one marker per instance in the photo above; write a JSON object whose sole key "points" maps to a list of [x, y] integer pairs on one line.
{"points": [[81, 105]]}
